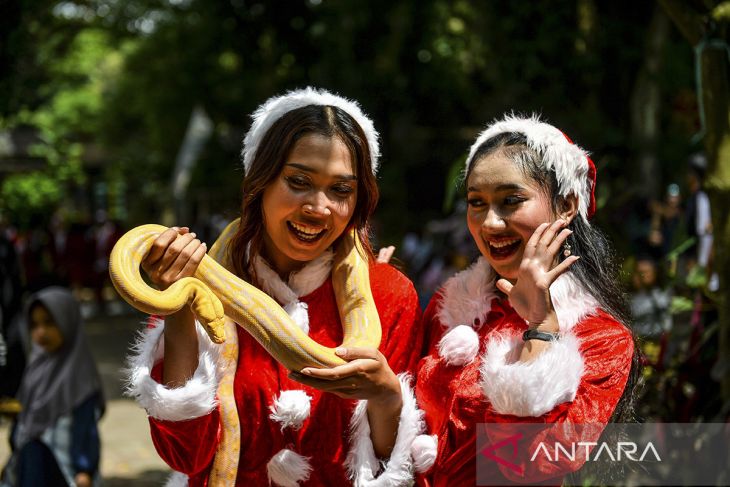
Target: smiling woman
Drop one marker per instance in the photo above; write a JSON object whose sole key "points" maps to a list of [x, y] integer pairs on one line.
{"points": [[310, 160], [535, 331]]}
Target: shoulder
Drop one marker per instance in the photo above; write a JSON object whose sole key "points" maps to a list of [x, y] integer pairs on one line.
{"points": [[387, 281]]}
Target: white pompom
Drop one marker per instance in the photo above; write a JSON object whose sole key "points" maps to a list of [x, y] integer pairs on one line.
{"points": [[288, 468], [291, 408], [460, 345], [298, 312], [423, 450], [177, 479]]}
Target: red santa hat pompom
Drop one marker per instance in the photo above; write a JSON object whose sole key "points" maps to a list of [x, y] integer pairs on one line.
{"points": [[573, 169], [274, 108]]}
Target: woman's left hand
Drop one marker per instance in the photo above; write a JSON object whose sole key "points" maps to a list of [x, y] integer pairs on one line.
{"points": [[366, 375], [530, 295]]}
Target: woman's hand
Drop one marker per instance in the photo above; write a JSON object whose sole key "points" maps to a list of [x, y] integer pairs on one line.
{"points": [[385, 254], [366, 375], [530, 295], [174, 254]]}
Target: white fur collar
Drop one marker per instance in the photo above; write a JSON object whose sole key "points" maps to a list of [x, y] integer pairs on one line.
{"points": [[301, 283], [468, 296]]}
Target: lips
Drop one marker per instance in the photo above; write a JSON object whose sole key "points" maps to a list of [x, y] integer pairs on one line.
{"points": [[305, 233], [503, 248]]}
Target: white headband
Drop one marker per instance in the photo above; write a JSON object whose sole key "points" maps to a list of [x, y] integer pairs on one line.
{"points": [[274, 108], [573, 168]]}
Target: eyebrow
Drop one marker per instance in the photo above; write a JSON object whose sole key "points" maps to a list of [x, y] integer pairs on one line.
{"points": [[501, 187], [302, 167]]}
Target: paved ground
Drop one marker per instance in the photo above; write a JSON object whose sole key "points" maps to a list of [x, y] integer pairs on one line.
{"points": [[128, 456]]}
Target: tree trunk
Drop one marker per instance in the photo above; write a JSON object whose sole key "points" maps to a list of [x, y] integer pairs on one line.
{"points": [[646, 105]]}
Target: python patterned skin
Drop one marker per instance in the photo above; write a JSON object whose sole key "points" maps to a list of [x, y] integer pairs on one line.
{"points": [[215, 291]]}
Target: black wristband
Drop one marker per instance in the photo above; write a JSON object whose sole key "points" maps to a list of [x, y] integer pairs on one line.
{"points": [[545, 336]]}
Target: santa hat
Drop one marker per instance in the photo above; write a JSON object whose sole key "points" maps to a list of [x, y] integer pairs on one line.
{"points": [[574, 170], [274, 108]]}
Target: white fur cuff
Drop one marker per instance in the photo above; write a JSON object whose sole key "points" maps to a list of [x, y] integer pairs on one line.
{"points": [[363, 466], [530, 388], [196, 398], [424, 451]]}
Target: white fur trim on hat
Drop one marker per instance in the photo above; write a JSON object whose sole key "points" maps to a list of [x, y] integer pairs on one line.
{"points": [[291, 408], [459, 345], [363, 467], [530, 388], [274, 108], [424, 451], [567, 160], [177, 479], [194, 399], [287, 468]]}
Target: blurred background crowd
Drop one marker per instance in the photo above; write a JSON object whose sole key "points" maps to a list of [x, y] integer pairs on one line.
{"points": [[115, 113]]}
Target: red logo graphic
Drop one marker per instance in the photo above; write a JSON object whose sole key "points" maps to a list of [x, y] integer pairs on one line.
{"points": [[490, 452]]}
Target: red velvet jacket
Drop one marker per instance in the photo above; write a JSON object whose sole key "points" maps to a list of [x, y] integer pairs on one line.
{"points": [[323, 437], [471, 376]]}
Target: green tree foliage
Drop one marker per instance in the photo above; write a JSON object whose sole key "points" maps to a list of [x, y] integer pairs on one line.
{"points": [[125, 76]]}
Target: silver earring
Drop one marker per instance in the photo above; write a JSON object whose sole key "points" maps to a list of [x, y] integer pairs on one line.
{"points": [[567, 249]]}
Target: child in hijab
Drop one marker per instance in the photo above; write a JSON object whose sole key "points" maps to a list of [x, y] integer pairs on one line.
{"points": [[55, 438]]}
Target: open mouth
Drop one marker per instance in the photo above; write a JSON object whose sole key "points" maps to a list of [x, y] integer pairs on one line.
{"points": [[504, 248], [305, 233]]}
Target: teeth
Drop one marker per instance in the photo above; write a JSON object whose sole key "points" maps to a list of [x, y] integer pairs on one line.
{"points": [[309, 231], [503, 243]]}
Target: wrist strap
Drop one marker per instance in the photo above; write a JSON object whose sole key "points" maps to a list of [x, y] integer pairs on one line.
{"points": [[545, 336]]}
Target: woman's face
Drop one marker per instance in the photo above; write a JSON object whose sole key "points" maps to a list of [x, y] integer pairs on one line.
{"points": [[43, 329], [504, 209], [310, 203]]}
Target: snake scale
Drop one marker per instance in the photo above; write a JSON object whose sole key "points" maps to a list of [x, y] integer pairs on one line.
{"points": [[219, 298]]}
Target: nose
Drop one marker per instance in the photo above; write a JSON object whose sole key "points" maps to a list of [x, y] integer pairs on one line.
{"points": [[318, 205], [493, 221]]}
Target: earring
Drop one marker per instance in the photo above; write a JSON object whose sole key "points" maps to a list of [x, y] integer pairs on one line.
{"points": [[566, 249]]}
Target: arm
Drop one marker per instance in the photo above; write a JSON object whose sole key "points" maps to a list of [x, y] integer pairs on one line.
{"points": [[530, 294], [184, 421], [175, 254], [85, 441], [382, 429], [542, 392]]}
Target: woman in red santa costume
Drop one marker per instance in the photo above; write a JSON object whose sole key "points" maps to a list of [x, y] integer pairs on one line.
{"points": [[310, 160], [536, 330]]}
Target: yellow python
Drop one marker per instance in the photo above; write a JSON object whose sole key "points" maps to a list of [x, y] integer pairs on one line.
{"points": [[215, 293]]}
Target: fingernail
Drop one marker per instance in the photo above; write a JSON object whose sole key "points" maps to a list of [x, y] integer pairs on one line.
{"points": [[175, 228], [340, 350], [204, 245], [306, 371], [193, 235]]}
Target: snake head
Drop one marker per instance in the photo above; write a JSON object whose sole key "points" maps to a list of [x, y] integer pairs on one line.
{"points": [[216, 330]]}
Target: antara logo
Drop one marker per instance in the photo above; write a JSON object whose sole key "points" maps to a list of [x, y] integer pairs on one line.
{"points": [[624, 449], [490, 452], [568, 451]]}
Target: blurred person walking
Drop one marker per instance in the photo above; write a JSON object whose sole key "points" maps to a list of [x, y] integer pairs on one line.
{"points": [[55, 439]]}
